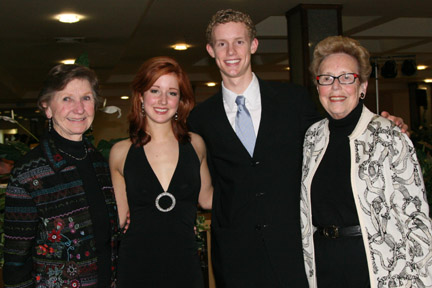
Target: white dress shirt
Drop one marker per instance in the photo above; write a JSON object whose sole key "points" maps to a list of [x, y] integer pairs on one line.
{"points": [[252, 96]]}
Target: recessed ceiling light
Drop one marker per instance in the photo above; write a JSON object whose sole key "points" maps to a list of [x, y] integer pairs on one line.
{"points": [[68, 61], [180, 46], [68, 18], [421, 67], [429, 80], [124, 97], [211, 84]]}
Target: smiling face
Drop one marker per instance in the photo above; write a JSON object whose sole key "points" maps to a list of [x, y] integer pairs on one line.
{"points": [[72, 109], [162, 99], [340, 99], [232, 49]]}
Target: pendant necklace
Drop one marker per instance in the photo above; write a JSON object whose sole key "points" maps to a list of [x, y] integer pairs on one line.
{"points": [[73, 157], [171, 196]]}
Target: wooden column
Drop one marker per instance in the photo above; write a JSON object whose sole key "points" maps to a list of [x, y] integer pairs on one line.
{"points": [[307, 25]]}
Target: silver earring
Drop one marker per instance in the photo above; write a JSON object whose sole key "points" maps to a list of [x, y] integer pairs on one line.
{"points": [[49, 124], [362, 95], [142, 109], [176, 116]]}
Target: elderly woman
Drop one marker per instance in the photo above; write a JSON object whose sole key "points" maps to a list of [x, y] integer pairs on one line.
{"points": [[60, 216], [364, 212]]}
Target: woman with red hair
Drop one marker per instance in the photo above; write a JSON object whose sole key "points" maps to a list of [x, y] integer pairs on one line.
{"points": [[159, 175]]}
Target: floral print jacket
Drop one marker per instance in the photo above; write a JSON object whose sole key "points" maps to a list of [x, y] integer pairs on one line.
{"points": [[49, 239], [390, 197]]}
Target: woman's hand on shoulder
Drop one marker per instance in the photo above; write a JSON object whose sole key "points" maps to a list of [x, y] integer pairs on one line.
{"points": [[398, 122]]}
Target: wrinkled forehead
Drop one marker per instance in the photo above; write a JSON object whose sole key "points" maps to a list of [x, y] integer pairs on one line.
{"points": [[338, 62]]}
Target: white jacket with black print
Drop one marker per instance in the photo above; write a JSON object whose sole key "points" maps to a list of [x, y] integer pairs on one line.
{"points": [[390, 197]]}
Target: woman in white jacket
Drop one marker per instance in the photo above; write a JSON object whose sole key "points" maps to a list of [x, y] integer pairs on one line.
{"points": [[364, 212]]}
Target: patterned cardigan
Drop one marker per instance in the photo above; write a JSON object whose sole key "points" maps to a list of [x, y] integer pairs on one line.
{"points": [[390, 198], [49, 239]]}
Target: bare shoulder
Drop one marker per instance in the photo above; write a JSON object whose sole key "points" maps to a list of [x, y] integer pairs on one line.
{"points": [[119, 151], [196, 138], [198, 144], [121, 145]]}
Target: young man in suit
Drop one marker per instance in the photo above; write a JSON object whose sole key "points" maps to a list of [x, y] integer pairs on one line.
{"points": [[256, 239]]}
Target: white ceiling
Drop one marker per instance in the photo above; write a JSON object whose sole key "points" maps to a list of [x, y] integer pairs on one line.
{"points": [[119, 35]]}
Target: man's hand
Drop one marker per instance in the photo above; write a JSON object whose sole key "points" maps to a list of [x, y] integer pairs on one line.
{"points": [[397, 120]]}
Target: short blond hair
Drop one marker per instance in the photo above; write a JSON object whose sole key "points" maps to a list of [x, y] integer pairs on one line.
{"points": [[341, 44], [230, 15]]}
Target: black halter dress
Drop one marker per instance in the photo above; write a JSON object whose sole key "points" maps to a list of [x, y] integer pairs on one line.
{"points": [[159, 248]]}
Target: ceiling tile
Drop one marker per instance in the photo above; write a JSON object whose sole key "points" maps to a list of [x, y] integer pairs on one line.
{"points": [[382, 46], [350, 22], [425, 48], [401, 27], [272, 26]]}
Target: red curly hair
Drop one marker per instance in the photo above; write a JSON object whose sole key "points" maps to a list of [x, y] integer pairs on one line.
{"points": [[147, 75]]}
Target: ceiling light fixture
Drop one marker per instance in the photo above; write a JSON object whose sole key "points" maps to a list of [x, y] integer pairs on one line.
{"points": [[68, 61], [180, 46], [428, 80], [124, 97], [69, 18], [211, 84], [421, 67]]}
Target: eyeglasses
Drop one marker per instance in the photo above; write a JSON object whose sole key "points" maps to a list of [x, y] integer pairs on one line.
{"points": [[347, 78]]}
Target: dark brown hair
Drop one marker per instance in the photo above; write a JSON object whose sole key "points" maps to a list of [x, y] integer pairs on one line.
{"points": [[60, 76], [146, 76]]}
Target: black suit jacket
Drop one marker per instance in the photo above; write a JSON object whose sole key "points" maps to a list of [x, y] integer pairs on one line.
{"points": [[257, 197]]}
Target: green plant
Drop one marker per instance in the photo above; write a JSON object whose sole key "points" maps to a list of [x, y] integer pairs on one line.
{"points": [[105, 146], [201, 228], [2, 207], [422, 139], [425, 161], [13, 150], [12, 120]]}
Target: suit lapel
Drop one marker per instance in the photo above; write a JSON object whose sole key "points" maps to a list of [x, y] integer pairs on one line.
{"points": [[222, 127], [270, 119], [220, 122]]}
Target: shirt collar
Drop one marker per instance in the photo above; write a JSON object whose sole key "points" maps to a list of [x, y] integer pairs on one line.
{"points": [[252, 94]]}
